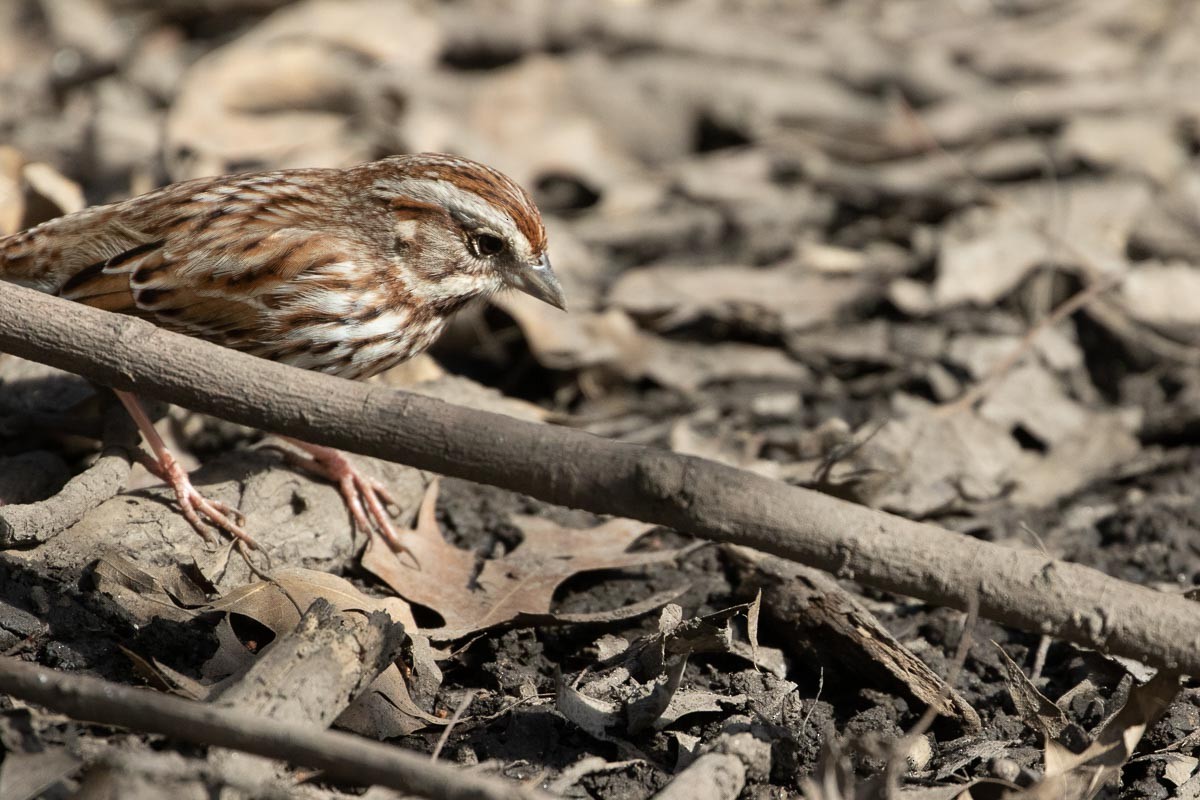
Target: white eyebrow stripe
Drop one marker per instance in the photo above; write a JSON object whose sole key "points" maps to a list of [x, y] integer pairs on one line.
{"points": [[452, 197], [470, 205]]}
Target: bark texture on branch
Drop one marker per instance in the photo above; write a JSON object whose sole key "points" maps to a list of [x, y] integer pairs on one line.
{"points": [[822, 623], [341, 755], [1021, 588], [308, 677], [27, 524]]}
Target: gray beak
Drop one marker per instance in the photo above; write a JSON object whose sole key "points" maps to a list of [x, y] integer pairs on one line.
{"points": [[538, 280]]}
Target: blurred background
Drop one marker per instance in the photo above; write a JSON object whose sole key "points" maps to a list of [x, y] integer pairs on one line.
{"points": [[796, 235]]}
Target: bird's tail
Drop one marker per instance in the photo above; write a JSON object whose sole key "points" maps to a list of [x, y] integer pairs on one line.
{"points": [[37, 257], [21, 258]]}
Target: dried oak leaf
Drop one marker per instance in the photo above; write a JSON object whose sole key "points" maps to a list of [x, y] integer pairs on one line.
{"points": [[1031, 705], [144, 591], [987, 252], [516, 588], [770, 301], [279, 603], [922, 463]]}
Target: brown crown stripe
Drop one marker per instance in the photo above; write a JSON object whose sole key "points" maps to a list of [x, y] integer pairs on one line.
{"points": [[405, 208], [497, 189]]}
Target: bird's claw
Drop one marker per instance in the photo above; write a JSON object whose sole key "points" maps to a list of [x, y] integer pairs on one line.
{"points": [[366, 497], [197, 508]]}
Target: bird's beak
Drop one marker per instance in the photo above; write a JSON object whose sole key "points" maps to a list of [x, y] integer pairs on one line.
{"points": [[538, 280]]}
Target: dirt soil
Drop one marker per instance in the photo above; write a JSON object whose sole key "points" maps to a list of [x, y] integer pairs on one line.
{"points": [[828, 242]]}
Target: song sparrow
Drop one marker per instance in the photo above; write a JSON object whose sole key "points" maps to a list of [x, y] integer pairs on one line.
{"points": [[347, 272]]}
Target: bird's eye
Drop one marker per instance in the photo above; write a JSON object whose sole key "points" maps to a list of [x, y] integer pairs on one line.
{"points": [[487, 244]]}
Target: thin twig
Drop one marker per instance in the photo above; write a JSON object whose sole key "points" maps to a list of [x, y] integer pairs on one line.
{"points": [[1023, 347], [904, 746], [463, 705], [37, 522], [816, 699], [340, 755], [1039, 659]]}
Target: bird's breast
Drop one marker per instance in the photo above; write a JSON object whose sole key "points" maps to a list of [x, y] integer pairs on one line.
{"points": [[357, 346]]}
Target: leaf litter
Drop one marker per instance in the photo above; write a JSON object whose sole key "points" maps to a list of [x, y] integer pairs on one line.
{"points": [[635, 687], [473, 595], [386, 709]]}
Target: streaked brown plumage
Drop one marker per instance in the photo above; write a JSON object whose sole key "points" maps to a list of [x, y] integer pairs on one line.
{"points": [[347, 272], [342, 271]]}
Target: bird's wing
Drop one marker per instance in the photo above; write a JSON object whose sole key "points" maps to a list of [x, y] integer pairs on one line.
{"points": [[213, 258]]}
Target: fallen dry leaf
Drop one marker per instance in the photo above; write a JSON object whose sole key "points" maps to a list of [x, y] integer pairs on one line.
{"points": [[559, 129], [771, 301], [145, 592], [1179, 769], [1031, 705], [1142, 143], [612, 342], [637, 686], [25, 776], [718, 443], [386, 709], [634, 705], [290, 90], [1093, 453], [279, 603], [1166, 295], [923, 464], [516, 588], [1031, 397], [711, 633], [1166, 227], [1081, 776], [986, 252]]}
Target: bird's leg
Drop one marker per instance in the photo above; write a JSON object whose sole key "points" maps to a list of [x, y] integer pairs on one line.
{"points": [[357, 489], [193, 504]]}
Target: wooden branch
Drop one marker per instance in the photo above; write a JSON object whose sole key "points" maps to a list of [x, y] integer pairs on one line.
{"points": [[1021, 588], [712, 776], [307, 677], [341, 755], [823, 624], [32, 523]]}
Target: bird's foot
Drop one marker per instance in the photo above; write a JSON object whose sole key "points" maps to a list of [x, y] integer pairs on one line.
{"points": [[365, 497], [196, 507]]}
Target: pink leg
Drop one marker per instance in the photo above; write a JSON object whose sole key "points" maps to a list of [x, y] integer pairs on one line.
{"points": [[357, 489], [191, 502]]}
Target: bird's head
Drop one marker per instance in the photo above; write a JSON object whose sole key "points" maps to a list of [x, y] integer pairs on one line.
{"points": [[463, 230]]}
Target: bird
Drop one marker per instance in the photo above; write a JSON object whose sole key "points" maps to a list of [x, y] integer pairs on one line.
{"points": [[343, 271]]}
